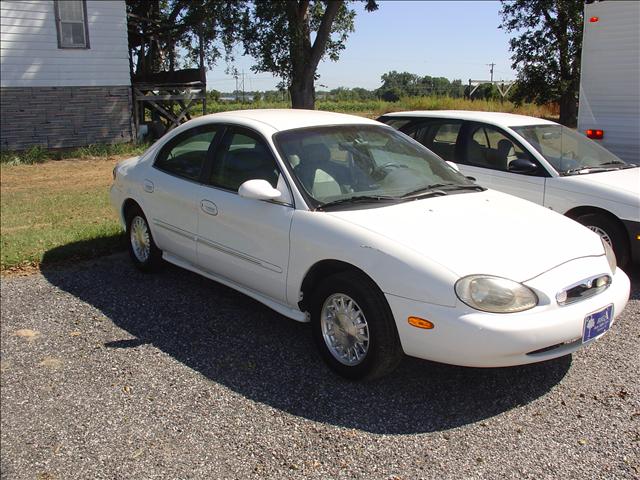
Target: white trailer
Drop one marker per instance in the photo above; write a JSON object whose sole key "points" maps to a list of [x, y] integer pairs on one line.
{"points": [[609, 109]]}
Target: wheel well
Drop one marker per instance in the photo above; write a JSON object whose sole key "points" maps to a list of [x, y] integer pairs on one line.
{"points": [[127, 206], [576, 212], [623, 250], [322, 270]]}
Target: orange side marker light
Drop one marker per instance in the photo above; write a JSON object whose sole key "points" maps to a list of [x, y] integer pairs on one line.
{"points": [[420, 323]]}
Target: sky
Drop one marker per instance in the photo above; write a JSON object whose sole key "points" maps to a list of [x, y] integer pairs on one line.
{"points": [[452, 39]]}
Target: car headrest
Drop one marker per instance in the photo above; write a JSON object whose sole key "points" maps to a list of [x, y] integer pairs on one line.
{"points": [[315, 153], [504, 146]]}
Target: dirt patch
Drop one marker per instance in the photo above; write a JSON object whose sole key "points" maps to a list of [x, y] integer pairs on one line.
{"points": [[59, 175]]}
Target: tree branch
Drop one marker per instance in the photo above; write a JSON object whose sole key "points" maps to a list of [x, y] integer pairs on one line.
{"points": [[324, 31]]}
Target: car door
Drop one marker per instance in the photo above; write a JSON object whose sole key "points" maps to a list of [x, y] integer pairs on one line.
{"points": [[241, 239], [487, 153], [171, 190]]}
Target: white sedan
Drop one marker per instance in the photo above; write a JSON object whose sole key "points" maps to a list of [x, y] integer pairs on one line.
{"points": [[540, 161], [382, 246]]}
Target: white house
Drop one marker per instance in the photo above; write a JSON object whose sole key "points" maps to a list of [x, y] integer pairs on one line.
{"points": [[65, 77]]}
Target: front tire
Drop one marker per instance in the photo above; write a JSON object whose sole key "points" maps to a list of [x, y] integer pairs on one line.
{"points": [[144, 253], [353, 327], [610, 232]]}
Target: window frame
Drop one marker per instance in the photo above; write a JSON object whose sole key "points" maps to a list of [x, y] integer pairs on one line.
{"points": [[220, 131], [85, 24]]}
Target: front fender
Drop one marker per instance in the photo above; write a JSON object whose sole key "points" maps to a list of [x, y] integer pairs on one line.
{"points": [[397, 270]]}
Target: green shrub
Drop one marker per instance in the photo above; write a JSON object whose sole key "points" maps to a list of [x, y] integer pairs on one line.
{"points": [[40, 154]]}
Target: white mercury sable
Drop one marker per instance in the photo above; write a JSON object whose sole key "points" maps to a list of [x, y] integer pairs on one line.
{"points": [[383, 246]]}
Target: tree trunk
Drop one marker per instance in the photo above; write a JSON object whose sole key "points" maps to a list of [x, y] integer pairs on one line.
{"points": [[302, 92], [568, 109]]}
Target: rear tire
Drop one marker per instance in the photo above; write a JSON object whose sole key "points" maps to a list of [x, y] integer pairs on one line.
{"points": [[144, 253], [353, 327], [610, 232]]}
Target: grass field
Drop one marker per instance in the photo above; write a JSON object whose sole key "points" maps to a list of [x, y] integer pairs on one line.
{"points": [[59, 210]]}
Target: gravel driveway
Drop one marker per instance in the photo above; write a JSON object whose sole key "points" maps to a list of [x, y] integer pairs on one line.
{"points": [[109, 373]]}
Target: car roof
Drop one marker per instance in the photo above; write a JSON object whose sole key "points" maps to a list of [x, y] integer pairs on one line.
{"points": [[284, 119], [494, 118]]}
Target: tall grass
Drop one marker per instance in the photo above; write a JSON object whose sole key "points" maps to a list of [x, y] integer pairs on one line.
{"points": [[375, 108]]}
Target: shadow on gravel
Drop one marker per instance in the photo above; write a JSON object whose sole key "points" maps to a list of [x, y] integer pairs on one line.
{"points": [[235, 341]]}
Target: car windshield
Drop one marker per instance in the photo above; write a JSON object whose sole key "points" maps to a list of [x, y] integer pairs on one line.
{"points": [[568, 151], [349, 163]]}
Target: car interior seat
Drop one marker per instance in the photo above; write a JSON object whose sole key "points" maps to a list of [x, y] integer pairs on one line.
{"points": [[476, 154], [316, 171], [503, 155]]}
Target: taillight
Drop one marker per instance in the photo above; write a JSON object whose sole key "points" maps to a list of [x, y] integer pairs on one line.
{"points": [[594, 19], [114, 172], [594, 134]]}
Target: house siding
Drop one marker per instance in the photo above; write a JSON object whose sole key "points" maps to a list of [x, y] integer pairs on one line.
{"points": [[56, 97]]}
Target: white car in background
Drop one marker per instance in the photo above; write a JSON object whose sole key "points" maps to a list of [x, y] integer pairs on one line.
{"points": [[540, 161], [384, 247]]}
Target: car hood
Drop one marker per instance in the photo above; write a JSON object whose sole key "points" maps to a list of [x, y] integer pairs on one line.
{"points": [[480, 233], [622, 185]]}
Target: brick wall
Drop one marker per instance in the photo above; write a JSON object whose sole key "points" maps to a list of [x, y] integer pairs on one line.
{"points": [[60, 117]]}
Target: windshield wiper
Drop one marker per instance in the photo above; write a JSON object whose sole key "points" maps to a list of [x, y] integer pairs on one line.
{"points": [[440, 189], [621, 165], [358, 199], [580, 170]]}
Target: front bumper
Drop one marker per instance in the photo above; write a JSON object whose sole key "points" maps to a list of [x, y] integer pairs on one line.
{"points": [[463, 336]]}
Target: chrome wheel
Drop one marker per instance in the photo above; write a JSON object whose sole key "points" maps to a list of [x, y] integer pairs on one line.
{"points": [[344, 329], [605, 236], [140, 239]]}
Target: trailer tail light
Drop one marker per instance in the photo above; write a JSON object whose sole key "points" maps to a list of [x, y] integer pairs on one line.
{"points": [[594, 19], [595, 134]]}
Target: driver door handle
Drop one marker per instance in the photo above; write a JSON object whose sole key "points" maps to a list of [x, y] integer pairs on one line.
{"points": [[209, 207]]}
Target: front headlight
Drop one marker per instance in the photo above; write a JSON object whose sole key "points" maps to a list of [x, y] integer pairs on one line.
{"points": [[611, 256], [495, 294]]}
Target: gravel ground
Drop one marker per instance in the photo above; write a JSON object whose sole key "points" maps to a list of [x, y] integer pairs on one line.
{"points": [[108, 373]]}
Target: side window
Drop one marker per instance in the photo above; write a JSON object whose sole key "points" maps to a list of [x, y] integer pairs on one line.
{"points": [[71, 23], [185, 155], [243, 156], [442, 139], [488, 147]]}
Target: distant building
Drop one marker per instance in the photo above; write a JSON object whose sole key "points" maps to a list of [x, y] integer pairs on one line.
{"points": [[64, 76]]}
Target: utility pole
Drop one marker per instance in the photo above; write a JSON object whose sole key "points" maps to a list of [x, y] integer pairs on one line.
{"points": [[243, 99], [235, 75], [491, 70]]}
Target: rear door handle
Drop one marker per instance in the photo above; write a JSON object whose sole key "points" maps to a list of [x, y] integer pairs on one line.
{"points": [[148, 186], [209, 207]]}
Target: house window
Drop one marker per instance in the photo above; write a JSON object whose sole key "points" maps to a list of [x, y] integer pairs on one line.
{"points": [[71, 23]]}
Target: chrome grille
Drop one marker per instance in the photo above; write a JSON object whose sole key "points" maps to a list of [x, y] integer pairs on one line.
{"points": [[584, 289]]}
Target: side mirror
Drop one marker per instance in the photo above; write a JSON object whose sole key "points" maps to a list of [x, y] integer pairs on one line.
{"points": [[258, 190], [522, 165]]}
